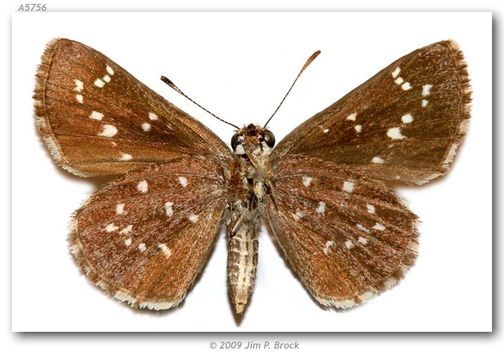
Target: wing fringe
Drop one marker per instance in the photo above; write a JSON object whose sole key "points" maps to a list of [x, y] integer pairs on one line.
{"points": [[466, 96], [407, 262]]}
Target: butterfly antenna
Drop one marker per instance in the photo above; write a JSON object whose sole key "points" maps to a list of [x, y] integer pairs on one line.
{"points": [[177, 89], [308, 62]]}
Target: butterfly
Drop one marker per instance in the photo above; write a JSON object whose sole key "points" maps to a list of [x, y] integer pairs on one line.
{"points": [[324, 191]]}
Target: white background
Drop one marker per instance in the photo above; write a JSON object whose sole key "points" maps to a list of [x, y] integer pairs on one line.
{"points": [[239, 65], [357, 346]]}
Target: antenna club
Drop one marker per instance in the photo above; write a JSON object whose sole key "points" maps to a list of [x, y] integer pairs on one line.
{"points": [[313, 56], [167, 81]]}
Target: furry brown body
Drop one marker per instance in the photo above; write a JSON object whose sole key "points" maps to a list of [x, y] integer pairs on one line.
{"points": [[249, 177]]}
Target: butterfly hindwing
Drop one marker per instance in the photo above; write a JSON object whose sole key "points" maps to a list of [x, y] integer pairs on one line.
{"points": [[405, 124], [97, 119], [145, 237], [346, 237]]}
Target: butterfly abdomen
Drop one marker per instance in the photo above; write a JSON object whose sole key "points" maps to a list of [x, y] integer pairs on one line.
{"points": [[243, 231]]}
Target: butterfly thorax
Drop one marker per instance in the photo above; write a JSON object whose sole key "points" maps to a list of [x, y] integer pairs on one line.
{"points": [[252, 146]]}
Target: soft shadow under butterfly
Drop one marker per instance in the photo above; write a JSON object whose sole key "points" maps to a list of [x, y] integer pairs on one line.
{"points": [[146, 236]]}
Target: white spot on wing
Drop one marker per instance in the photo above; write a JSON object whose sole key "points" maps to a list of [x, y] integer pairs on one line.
{"points": [[307, 181], [79, 98], [406, 86], [349, 244], [165, 250], [325, 131], [108, 131], [370, 208], [109, 69], [168, 208], [99, 83], [120, 209], [79, 85], [407, 118], [96, 115], [424, 102], [379, 227], [348, 186], [426, 89], [182, 181], [377, 160], [126, 230], [153, 116], [111, 227], [142, 247], [328, 246], [362, 240], [321, 208], [363, 228], [396, 72], [358, 128], [106, 78], [395, 133], [399, 80], [298, 215], [142, 186], [127, 242], [193, 218], [352, 116], [125, 157], [146, 126]]}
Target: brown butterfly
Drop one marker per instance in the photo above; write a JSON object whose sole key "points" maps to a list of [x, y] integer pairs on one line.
{"points": [[323, 191]]}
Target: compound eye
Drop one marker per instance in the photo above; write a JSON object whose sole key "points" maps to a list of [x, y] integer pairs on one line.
{"points": [[269, 138], [235, 141]]}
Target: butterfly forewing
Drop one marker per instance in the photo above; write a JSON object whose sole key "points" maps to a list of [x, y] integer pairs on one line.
{"points": [[345, 236], [145, 237], [97, 119], [404, 124]]}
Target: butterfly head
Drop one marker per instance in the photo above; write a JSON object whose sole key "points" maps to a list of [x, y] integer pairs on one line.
{"points": [[252, 139]]}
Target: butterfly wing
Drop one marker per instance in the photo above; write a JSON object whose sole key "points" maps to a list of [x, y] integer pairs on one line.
{"points": [[145, 237], [404, 124], [97, 119], [345, 236], [343, 232]]}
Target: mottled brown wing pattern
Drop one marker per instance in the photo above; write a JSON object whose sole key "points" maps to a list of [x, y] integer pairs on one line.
{"points": [[97, 119], [145, 237], [346, 237], [404, 124]]}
